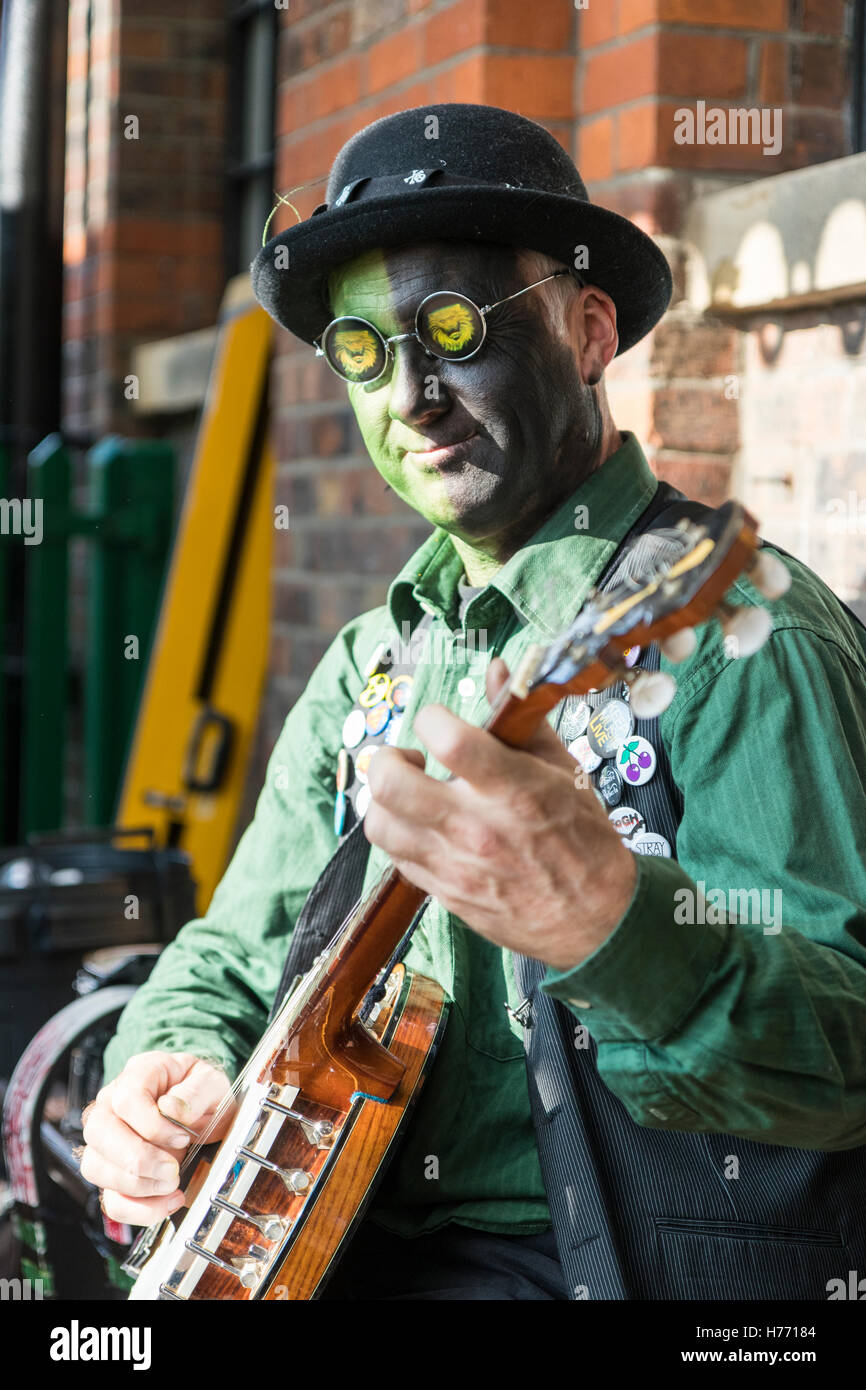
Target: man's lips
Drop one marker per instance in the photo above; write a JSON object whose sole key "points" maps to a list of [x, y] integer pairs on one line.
{"points": [[438, 455]]}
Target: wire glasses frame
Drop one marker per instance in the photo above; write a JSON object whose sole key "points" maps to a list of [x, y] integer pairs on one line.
{"points": [[321, 345]]}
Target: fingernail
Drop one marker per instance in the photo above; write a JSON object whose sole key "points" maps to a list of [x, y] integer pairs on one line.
{"points": [[178, 1141]]}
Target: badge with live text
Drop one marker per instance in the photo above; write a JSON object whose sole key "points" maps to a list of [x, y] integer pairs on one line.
{"points": [[609, 726]]}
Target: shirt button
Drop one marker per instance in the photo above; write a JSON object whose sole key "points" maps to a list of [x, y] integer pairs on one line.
{"points": [[581, 1003], [659, 1114], [466, 687]]}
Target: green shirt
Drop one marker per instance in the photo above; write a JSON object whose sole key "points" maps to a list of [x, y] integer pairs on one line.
{"points": [[754, 1027]]}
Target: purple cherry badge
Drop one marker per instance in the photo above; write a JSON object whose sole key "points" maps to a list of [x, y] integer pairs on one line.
{"points": [[636, 761]]}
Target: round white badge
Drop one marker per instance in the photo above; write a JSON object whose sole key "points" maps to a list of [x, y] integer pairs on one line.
{"points": [[581, 750], [647, 842], [354, 728], [635, 761], [627, 821]]}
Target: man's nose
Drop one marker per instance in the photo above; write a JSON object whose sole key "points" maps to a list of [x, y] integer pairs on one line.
{"points": [[416, 394]]}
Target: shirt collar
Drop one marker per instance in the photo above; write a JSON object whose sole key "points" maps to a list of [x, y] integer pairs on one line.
{"points": [[548, 579]]}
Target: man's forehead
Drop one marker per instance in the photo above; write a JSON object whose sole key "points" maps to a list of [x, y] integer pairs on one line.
{"points": [[398, 276]]}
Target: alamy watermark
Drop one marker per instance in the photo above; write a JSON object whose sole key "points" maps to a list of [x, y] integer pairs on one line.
{"points": [[22, 517], [440, 647], [729, 125], [21, 1290], [761, 906]]}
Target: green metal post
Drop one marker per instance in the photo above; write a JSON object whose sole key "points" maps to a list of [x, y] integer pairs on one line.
{"points": [[45, 642], [131, 495]]}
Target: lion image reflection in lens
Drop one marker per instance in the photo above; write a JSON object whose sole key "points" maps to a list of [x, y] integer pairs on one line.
{"points": [[452, 327], [356, 352]]}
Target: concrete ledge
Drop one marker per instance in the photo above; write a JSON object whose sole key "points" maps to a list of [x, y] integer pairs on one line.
{"points": [[173, 373], [785, 242]]}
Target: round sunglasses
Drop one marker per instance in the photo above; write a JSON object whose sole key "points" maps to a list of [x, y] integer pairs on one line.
{"points": [[448, 325]]}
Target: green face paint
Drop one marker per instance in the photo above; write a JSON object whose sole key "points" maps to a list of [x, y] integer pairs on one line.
{"points": [[364, 288]]}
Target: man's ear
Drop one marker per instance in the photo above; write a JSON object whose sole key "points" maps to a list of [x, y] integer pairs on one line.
{"points": [[591, 325]]}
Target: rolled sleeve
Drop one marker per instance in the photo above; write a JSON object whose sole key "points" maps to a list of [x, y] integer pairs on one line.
{"points": [[671, 961]]}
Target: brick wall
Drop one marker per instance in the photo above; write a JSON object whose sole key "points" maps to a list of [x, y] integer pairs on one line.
{"points": [[642, 62], [144, 216]]}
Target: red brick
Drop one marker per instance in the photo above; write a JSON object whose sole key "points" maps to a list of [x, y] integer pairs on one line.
{"points": [[619, 74], [819, 75], [280, 659], [421, 94], [305, 157], [336, 88], [595, 159], [813, 137], [696, 418], [453, 31], [636, 14], [699, 476], [523, 25], [301, 48], [394, 59], [291, 600], [770, 15], [536, 87], [465, 81], [701, 65], [824, 17], [685, 346], [153, 235], [376, 498], [284, 548], [773, 73], [596, 24], [637, 137]]}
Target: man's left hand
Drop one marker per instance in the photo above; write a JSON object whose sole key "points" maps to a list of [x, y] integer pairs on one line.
{"points": [[512, 846]]}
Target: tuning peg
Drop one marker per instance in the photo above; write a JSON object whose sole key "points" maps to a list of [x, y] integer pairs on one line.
{"points": [[769, 575], [746, 629], [650, 692], [680, 644]]}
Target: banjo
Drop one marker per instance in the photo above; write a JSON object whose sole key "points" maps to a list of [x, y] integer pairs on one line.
{"points": [[277, 1185]]}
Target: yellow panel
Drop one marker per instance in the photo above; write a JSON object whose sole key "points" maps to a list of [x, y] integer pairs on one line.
{"points": [[154, 793]]}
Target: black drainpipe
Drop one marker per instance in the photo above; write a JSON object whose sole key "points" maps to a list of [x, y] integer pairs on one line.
{"points": [[33, 59]]}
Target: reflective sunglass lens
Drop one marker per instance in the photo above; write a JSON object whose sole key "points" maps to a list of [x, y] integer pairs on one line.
{"points": [[450, 326], [354, 349]]}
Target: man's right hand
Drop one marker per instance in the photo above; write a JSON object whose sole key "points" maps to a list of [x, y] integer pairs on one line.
{"points": [[131, 1150]]}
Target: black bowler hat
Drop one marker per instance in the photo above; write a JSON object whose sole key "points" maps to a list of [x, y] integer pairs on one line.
{"points": [[475, 173]]}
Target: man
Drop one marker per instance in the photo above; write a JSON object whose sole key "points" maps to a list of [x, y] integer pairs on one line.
{"points": [[717, 1132]]}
